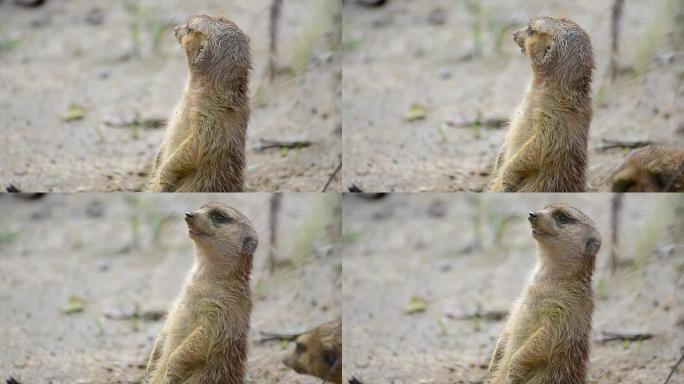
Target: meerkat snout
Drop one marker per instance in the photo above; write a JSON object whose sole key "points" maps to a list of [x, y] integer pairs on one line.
{"points": [[531, 216], [180, 31]]}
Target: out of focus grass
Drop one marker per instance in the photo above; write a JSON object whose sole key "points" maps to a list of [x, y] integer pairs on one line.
{"points": [[321, 20], [654, 34]]}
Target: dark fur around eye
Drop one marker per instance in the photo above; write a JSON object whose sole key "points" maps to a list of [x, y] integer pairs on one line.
{"points": [[622, 185], [330, 357], [563, 218], [300, 347], [658, 180], [220, 218]]}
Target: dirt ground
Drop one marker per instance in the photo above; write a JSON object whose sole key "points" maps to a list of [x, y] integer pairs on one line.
{"points": [[457, 61], [118, 59], [122, 255], [462, 254]]}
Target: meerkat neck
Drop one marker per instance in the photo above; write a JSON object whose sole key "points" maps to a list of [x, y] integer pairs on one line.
{"points": [[576, 91], [223, 92], [552, 267], [215, 267]]}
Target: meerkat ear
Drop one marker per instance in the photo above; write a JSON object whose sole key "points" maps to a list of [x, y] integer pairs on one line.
{"points": [[592, 246], [249, 245]]}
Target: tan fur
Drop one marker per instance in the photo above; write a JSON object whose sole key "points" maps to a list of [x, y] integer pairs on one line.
{"points": [[546, 146], [319, 353], [204, 146], [204, 338], [651, 169], [546, 338]]}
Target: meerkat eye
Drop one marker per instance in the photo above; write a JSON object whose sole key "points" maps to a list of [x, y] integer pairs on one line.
{"points": [[529, 30], [300, 347], [658, 180], [329, 357], [563, 218], [622, 185], [220, 218]]}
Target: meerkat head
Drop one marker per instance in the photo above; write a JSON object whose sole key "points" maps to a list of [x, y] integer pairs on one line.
{"points": [[650, 169], [565, 233], [636, 178], [311, 356], [222, 232], [216, 49], [557, 48]]}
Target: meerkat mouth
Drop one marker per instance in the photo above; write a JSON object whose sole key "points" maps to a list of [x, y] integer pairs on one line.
{"points": [[537, 232], [196, 232]]}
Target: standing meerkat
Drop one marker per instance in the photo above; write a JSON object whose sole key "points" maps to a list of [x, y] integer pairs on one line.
{"points": [[651, 169], [204, 146], [204, 338], [546, 146], [318, 352], [546, 337]]}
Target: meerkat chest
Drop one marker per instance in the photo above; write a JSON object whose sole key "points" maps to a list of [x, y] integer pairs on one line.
{"points": [[522, 127]]}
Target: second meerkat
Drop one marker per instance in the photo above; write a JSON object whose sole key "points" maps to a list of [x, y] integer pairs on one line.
{"points": [[204, 146], [318, 352], [204, 338], [546, 147], [546, 337]]}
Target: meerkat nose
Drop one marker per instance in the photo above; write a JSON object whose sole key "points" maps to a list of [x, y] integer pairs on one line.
{"points": [[532, 216], [188, 215]]}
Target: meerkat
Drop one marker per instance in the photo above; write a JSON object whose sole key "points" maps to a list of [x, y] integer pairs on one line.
{"points": [[546, 337], [651, 169], [546, 146], [203, 149], [204, 338], [318, 352]]}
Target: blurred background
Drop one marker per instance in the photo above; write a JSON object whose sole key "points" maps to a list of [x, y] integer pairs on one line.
{"points": [[85, 280], [429, 278], [88, 84], [430, 85]]}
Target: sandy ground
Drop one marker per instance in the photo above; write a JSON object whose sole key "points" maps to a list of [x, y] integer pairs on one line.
{"points": [[84, 52], [125, 254], [462, 252], [423, 52]]}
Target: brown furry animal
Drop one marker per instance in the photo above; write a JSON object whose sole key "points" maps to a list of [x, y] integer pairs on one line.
{"points": [[204, 146], [546, 146], [204, 338], [651, 169], [319, 353], [546, 338]]}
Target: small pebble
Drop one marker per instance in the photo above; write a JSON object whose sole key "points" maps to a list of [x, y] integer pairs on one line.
{"points": [[444, 73], [103, 73]]}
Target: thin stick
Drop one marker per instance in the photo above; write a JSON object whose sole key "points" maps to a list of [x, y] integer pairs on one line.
{"points": [[271, 336], [624, 144], [674, 369], [332, 176], [612, 336], [267, 144]]}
